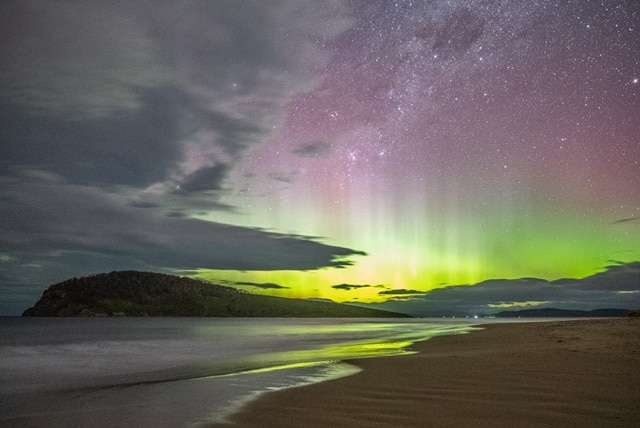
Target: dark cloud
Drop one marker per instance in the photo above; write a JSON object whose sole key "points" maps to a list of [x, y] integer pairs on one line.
{"points": [[108, 94], [205, 178], [348, 287], [283, 177], [400, 292], [76, 60], [142, 204], [49, 235], [618, 286], [263, 285], [313, 149], [176, 214], [136, 150], [231, 134], [626, 220], [89, 59], [82, 218]]}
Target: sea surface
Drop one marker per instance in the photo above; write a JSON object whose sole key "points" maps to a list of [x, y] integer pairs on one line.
{"points": [[179, 372]]}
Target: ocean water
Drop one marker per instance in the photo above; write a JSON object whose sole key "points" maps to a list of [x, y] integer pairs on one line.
{"points": [[178, 372]]}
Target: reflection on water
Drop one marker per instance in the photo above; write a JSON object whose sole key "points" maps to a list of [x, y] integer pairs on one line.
{"points": [[310, 357], [321, 344], [314, 341], [57, 353], [168, 372]]}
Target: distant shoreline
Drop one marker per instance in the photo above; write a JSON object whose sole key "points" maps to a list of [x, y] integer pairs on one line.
{"points": [[568, 373]]}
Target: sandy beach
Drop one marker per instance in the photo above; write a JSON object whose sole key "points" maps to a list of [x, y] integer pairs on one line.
{"points": [[583, 373]]}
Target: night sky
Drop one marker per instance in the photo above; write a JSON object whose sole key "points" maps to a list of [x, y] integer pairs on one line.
{"points": [[359, 151]]}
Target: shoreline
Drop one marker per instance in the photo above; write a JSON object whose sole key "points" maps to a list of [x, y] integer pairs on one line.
{"points": [[58, 372], [539, 374]]}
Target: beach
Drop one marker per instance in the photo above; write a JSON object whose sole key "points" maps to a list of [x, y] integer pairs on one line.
{"points": [[579, 373]]}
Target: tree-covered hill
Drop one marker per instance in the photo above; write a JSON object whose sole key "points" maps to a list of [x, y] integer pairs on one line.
{"points": [[132, 293]]}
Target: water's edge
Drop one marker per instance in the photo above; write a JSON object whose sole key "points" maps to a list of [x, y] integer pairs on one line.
{"points": [[180, 372], [325, 372], [328, 371]]}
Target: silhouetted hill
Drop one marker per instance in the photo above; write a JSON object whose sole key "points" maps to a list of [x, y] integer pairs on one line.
{"points": [[132, 293], [556, 313]]}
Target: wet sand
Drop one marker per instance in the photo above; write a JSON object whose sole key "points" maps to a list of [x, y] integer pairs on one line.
{"points": [[583, 373]]}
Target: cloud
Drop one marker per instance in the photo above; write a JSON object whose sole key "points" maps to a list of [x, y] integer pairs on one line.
{"points": [[205, 178], [83, 218], [313, 149], [160, 98], [349, 287], [626, 220], [618, 286], [89, 59], [160, 103], [283, 177], [263, 285], [516, 305], [76, 60], [69, 230], [400, 292]]}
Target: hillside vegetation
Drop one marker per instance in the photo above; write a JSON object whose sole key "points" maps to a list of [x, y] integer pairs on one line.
{"points": [[132, 293]]}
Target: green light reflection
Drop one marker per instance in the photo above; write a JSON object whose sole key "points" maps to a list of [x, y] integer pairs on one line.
{"points": [[322, 343]]}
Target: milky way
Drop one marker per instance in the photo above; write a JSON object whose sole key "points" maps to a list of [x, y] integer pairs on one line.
{"points": [[355, 150], [461, 142]]}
